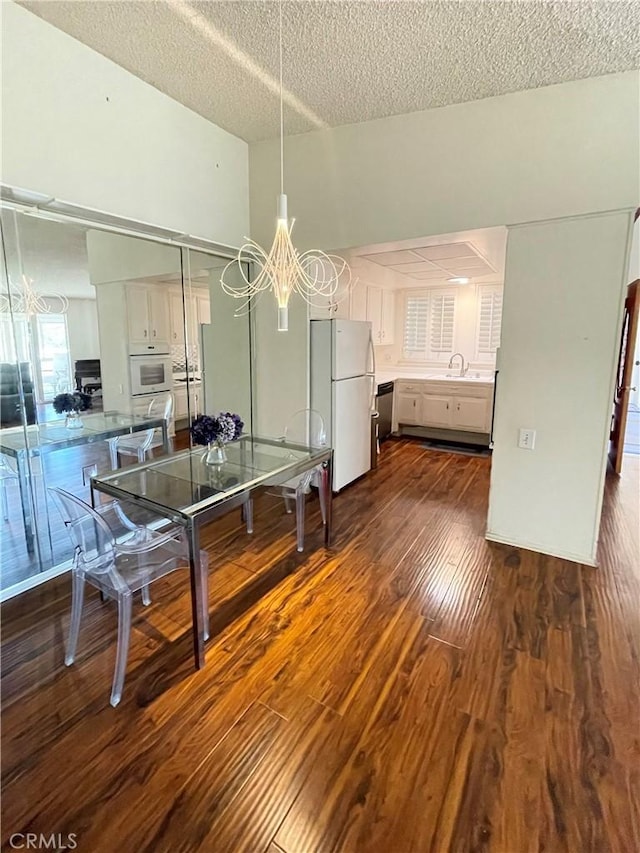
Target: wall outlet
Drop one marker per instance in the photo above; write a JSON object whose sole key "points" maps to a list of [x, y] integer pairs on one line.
{"points": [[527, 438]]}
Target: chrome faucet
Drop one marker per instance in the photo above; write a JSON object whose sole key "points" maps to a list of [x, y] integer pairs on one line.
{"points": [[463, 369]]}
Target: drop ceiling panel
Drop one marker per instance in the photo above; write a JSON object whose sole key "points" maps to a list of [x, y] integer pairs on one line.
{"points": [[439, 275], [476, 265], [389, 259], [447, 250], [419, 266]]}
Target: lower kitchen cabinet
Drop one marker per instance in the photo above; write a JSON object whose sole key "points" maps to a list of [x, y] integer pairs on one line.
{"points": [[409, 408], [444, 405], [436, 410], [472, 413]]}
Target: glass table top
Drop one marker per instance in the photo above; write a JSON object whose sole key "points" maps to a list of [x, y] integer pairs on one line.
{"points": [[54, 433], [185, 483]]}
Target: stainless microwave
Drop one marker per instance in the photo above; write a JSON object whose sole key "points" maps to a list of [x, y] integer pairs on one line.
{"points": [[150, 374]]}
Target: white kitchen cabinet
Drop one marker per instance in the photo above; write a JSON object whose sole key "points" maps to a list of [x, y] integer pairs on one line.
{"points": [[359, 301], [326, 308], [180, 397], [439, 404], [176, 317], [203, 308], [374, 312], [138, 315], [436, 410], [471, 413], [388, 317], [381, 314], [147, 314], [408, 408]]}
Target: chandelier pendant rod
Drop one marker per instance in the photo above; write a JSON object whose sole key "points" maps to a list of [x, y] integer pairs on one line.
{"points": [[281, 107]]}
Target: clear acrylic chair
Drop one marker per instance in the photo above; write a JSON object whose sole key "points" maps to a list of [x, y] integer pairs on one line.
{"points": [[139, 443], [118, 568], [6, 473], [304, 427]]}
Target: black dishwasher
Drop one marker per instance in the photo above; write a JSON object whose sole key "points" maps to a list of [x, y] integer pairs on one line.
{"points": [[384, 405]]}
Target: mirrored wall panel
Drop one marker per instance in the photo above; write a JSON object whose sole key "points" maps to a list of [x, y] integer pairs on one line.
{"points": [[110, 346]]}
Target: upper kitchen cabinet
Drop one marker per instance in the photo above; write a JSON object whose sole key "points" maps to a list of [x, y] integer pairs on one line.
{"points": [[327, 308], [334, 307], [176, 317], [202, 308], [147, 314], [377, 305], [198, 313]]}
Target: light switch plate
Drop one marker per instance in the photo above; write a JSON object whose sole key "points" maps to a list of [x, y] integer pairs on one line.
{"points": [[527, 438]]}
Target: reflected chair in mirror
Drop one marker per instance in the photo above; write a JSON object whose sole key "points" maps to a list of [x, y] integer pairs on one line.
{"points": [[119, 568], [304, 427], [6, 474], [140, 443]]}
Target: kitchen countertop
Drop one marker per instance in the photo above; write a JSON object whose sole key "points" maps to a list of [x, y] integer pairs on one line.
{"points": [[399, 374], [180, 379]]}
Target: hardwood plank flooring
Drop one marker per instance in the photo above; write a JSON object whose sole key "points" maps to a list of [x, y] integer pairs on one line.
{"points": [[413, 688]]}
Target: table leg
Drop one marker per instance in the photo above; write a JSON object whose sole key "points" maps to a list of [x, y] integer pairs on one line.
{"points": [[326, 483], [25, 500], [166, 446], [196, 595]]}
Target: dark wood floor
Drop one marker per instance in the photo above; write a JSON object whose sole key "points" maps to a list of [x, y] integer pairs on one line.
{"points": [[413, 689]]}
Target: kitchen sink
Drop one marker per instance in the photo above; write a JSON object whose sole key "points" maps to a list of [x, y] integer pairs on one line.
{"points": [[457, 378]]}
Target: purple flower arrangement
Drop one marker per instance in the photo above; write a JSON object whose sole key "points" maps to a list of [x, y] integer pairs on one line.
{"points": [[223, 428], [74, 401]]}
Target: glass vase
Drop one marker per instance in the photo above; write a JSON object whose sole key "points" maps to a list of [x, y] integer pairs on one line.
{"points": [[216, 453], [73, 421]]}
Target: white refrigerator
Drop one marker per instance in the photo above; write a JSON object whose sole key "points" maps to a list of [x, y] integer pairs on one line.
{"points": [[343, 391]]}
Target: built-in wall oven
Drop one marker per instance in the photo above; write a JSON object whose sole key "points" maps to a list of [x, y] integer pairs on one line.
{"points": [[150, 372]]}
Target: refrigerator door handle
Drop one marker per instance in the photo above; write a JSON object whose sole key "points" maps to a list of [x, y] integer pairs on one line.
{"points": [[372, 356]]}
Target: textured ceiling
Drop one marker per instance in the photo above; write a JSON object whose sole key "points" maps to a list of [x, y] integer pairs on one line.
{"points": [[349, 61]]}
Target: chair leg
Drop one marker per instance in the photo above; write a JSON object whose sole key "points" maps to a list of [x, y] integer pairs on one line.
{"points": [[113, 453], [77, 598], [142, 454], [5, 502], [287, 504], [146, 595], [300, 503], [124, 634]]}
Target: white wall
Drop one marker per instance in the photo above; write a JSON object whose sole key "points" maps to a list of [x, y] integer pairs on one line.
{"points": [[563, 297], [559, 151], [550, 152], [84, 130], [82, 326], [114, 257]]}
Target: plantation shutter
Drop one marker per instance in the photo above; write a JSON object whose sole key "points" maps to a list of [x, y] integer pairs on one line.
{"points": [[442, 323], [489, 320], [415, 326]]}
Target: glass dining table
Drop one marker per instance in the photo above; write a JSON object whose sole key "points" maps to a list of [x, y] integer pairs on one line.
{"points": [[23, 444], [187, 490]]}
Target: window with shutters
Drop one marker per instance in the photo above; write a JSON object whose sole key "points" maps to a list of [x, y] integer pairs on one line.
{"points": [[489, 320], [429, 325]]}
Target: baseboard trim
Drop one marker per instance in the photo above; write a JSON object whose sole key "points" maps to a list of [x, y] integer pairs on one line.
{"points": [[540, 549], [34, 580]]}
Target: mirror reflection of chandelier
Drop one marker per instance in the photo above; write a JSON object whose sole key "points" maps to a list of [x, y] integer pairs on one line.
{"points": [[314, 275], [23, 299]]}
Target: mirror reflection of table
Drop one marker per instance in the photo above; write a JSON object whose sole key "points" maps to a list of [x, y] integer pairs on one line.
{"points": [[190, 492], [25, 443]]}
